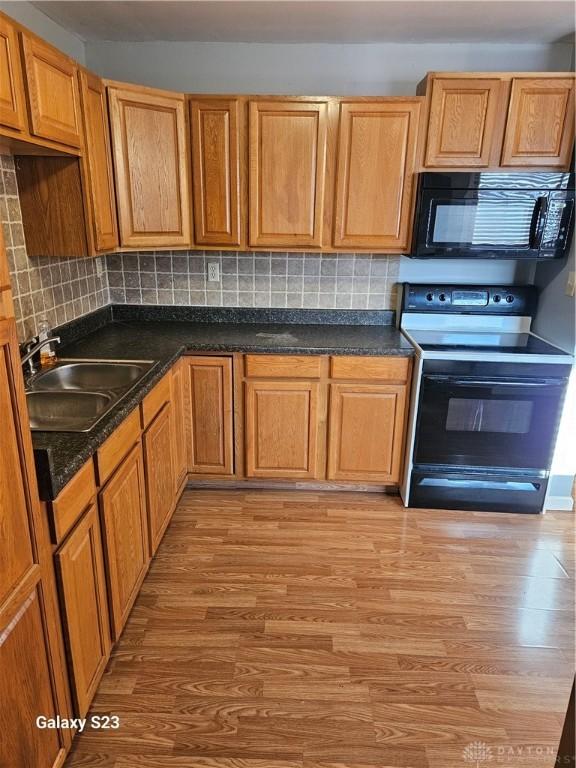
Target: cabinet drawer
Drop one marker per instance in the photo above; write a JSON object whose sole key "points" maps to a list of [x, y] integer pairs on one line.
{"points": [[284, 366], [381, 368], [73, 500], [155, 400], [117, 446]]}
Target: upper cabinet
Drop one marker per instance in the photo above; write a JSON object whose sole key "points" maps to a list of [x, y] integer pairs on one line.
{"points": [[218, 165], [499, 119], [12, 99], [288, 140], [151, 163], [53, 93], [540, 126], [98, 163], [376, 162], [462, 122]]}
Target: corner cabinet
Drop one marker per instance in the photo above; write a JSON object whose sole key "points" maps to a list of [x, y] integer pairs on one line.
{"points": [[540, 126], [12, 98], [209, 418], [287, 159], [149, 138], [375, 178], [53, 93], [98, 164], [218, 164]]}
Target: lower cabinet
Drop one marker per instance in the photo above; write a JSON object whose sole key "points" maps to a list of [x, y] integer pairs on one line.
{"points": [[158, 450], [282, 429], [80, 567], [366, 432], [209, 418], [125, 529]]}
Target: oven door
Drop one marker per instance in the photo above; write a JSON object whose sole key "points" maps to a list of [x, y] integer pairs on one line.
{"points": [[480, 223], [497, 422]]}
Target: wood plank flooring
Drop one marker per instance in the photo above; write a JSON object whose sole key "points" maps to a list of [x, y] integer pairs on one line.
{"points": [[339, 630]]}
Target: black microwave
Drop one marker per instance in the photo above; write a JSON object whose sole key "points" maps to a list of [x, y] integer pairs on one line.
{"points": [[515, 215]]}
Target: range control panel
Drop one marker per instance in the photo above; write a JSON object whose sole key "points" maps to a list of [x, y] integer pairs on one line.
{"points": [[469, 299]]}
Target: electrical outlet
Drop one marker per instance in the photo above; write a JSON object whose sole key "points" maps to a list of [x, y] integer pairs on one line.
{"points": [[213, 272], [571, 284], [99, 267]]}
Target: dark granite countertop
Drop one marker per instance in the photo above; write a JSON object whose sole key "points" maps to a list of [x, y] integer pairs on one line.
{"points": [[147, 334]]}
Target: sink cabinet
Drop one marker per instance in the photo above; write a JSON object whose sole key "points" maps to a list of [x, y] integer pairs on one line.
{"points": [[125, 529], [160, 475]]}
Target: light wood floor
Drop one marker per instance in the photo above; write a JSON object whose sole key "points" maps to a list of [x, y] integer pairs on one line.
{"points": [[316, 630]]}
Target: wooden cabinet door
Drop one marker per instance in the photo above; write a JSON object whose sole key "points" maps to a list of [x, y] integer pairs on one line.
{"points": [[158, 448], [209, 418], [366, 432], [53, 92], [32, 680], [376, 163], [218, 161], [102, 197], [287, 172], [282, 429], [540, 126], [178, 425], [462, 122], [151, 162], [125, 529], [83, 587], [12, 99]]}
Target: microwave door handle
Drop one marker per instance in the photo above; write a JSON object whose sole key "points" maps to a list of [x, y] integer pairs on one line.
{"points": [[538, 221]]}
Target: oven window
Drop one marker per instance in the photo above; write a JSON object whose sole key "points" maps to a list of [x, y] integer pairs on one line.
{"points": [[481, 222], [478, 415]]}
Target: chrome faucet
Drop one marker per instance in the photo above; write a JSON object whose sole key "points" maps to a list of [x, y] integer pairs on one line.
{"points": [[32, 349]]}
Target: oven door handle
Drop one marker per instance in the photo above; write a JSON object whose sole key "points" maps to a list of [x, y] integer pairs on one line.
{"points": [[495, 383]]}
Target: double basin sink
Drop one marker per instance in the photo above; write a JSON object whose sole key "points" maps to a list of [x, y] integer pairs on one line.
{"points": [[75, 394]]}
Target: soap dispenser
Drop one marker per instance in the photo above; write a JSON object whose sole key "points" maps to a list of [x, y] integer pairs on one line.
{"points": [[47, 353]]}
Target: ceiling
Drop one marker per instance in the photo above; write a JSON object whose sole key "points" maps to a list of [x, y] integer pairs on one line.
{"points": [[324, 21]]}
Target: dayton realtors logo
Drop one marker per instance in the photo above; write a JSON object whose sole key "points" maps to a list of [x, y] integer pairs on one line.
{"points": [[477, 753]]}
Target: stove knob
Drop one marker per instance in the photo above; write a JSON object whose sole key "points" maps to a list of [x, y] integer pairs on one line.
{"points": [[429, 297], [442, 297], [497, 299], [509, 298]]}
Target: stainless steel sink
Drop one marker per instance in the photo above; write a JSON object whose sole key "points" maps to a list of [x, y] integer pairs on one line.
{"points": [[91, 376], [75, 394], [66, 411]]}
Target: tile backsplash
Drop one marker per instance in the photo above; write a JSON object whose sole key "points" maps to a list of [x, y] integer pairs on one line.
{"points": [[58, 289], [65, 289], [307, 280]]}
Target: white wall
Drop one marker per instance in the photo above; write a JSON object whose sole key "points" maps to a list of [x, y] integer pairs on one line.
{"points": [[368, 69], [38, 22]]}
